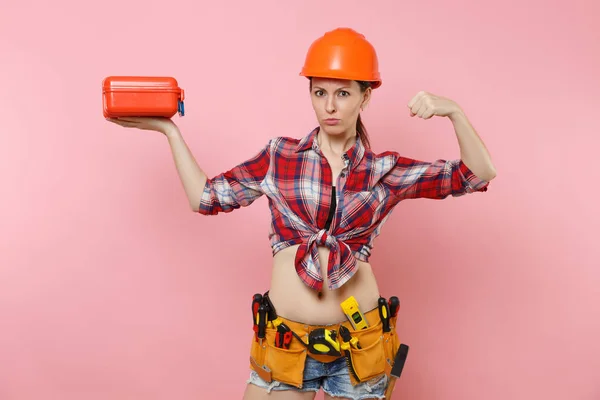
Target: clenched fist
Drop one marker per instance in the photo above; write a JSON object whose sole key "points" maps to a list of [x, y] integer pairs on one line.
{"points": [[425, 105]]}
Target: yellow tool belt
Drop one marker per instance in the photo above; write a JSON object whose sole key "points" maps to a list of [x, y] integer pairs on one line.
{"points": [[374, 357]]}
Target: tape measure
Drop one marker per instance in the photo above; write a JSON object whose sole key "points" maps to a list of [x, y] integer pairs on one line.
{"points": [[324, 341]]}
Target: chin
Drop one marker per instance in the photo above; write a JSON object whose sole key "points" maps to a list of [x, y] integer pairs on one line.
{"points": [[333, 129]]}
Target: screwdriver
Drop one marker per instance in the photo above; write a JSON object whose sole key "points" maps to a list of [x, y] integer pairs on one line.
{"points": [[262, 323], [394, 304], [384, 314], [256, 302]]}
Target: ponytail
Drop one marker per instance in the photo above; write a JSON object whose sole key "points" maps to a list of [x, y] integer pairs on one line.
{"points": [[362, 133], [360, 127]]}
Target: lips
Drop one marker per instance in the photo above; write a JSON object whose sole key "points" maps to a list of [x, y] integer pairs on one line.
{"points": [[331, 121]]}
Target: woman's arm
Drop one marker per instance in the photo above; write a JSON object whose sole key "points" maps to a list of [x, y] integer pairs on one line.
{"points": [[473, 152], [408, 178], [472, 149], [225, 192], [238, 187], [191, 175]]}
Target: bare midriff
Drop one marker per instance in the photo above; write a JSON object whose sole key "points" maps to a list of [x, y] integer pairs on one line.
{"points": [[294, 300]]}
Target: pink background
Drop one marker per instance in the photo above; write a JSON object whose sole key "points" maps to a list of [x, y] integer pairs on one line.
{"points": [[110, 288]]}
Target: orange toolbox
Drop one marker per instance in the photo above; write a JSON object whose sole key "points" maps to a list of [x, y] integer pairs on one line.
{"points": [[141, 96]]}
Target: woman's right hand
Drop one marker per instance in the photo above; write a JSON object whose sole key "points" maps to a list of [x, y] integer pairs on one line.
{"points": [[159, 124]]}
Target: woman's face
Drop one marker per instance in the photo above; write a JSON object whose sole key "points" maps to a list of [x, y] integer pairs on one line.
{"points": [[337, 104]]}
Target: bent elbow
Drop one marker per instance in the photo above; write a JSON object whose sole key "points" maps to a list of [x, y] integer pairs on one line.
{"points": [[194, 204], [489, 175]]}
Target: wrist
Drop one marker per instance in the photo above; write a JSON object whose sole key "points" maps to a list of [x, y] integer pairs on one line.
{"points": [[171, 132], [456, 114]]}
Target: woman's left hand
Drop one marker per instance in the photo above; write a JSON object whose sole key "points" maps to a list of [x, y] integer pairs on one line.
{"points": [[425, 105]]}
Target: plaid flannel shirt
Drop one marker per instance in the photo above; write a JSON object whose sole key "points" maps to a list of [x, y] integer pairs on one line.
{"points": [[297, 179]]}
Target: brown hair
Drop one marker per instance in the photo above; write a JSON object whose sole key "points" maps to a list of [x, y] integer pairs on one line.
{"points": [[360, 127]]}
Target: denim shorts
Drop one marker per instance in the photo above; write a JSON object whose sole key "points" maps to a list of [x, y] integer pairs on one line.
{"points": [[333, 377]]}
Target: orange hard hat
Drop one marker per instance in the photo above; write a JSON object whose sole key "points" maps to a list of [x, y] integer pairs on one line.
{"points": [[342, 53]]}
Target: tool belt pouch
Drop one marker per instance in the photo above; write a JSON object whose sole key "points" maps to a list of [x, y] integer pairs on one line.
{"points": [[376, 355], [279, 364], [391, 345]]}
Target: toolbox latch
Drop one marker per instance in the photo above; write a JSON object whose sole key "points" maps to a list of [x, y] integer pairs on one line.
{"points": [[180, 108], [180, 105]]}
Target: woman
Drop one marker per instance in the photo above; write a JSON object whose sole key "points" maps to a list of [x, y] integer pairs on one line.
{"points": [[329, 195]]}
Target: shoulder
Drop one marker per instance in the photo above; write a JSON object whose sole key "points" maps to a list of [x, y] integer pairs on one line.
{"points": [[371, 153], [284, 145], [286, 142], [381, 161], [386, 154], [392, 158]]}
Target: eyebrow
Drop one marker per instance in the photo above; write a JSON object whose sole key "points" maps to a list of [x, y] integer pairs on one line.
{"points": [[319, 87]]}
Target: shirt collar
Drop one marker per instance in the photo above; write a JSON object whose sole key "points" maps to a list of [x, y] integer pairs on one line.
{"points": [[307, 141], [354, 154]]}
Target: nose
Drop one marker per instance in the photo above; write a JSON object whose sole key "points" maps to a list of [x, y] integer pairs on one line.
{"points": [[330, 105]]}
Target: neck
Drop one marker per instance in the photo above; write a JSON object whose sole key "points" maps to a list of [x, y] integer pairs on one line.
{"points": [[337, 144]]}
